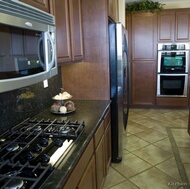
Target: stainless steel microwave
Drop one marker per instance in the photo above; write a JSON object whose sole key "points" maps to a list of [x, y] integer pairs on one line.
{"points": [[27, 47]]}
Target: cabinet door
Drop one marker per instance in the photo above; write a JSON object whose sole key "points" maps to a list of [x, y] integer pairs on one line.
{"points": [[76, 29], [182, 26], [144, 36], [100, 163], [40, 4], [88, 180], [166, 24], [68, 30], [143, 83], [61, 13]]}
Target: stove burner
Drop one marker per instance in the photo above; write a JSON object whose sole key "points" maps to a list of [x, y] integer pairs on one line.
{"points": [[58, 142], [45, 158], [15, 184], [12, 147], [38, 128], [65, 130], [28, 155], [37, 148], [44, 142]]}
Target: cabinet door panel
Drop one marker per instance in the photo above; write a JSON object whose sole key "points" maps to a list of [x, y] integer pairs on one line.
{"points": [[166, 21], [100, 164], [62, 30], [143, 36], [88, 180], [76, 29], [182, 26], [143, 83]]}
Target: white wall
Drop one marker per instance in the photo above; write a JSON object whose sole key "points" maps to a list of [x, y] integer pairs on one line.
{"points": [[121, 4], [176, 5]]}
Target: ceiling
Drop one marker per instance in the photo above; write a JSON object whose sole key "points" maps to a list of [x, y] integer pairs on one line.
{"points": [[169, 3]]}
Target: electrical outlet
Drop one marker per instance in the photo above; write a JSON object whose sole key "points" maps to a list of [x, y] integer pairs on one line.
{"points": [[45, 83]]}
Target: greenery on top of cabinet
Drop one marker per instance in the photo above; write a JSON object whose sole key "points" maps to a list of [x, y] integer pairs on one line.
{"points": [[145, 5]]}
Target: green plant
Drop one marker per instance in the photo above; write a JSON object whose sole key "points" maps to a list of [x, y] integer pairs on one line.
{"points": [[145, 5]]}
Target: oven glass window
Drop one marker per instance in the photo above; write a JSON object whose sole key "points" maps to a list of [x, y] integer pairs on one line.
{"points": [[172, 85], [173, 61]]}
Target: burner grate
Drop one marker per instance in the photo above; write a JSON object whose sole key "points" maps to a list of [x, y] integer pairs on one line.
{"points": [[31, 150]]}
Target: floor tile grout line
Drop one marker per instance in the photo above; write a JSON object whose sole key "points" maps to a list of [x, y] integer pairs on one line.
{"points": [[180, 166]]}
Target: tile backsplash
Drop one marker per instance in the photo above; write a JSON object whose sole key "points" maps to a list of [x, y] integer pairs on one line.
{"points": [[20, 104]]}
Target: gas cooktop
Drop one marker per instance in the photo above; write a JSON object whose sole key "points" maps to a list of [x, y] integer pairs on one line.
{"points": [[30, 151]]}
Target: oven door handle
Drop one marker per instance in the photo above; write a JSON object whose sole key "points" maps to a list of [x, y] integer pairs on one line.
{"points": [[168, 74]]}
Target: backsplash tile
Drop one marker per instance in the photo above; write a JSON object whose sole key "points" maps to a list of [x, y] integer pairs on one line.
{"points": [[15, 109]]}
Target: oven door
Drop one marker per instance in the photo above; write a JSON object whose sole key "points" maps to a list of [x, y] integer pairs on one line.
{"points": [[173, 61], [172, 85]]}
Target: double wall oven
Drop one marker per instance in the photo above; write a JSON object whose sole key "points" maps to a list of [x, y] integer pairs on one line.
{"points": [[172, 75]]}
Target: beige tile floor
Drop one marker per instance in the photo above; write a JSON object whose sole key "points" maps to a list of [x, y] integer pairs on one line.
{"points": [[156, 152]]}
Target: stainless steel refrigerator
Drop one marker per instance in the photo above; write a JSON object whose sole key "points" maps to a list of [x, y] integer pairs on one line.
{"points": [[119, 86]]}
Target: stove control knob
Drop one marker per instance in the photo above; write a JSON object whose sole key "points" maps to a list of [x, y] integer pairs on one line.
{"points": [[45, 158], [37, 148], [44, 142], [58, 142]]}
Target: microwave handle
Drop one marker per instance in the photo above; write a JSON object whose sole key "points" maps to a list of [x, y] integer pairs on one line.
{"points": [[40, 41], [51, 62]]}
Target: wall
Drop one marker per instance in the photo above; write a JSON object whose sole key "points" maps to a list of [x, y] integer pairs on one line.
{"points": [[14, 110], [121, 4]]}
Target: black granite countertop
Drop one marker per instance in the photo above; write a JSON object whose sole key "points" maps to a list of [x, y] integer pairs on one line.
{"points": [[92, 113]]}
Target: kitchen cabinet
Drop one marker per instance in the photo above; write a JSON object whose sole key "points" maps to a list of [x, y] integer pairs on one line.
{"points": [[142, 30], [40, 4], [113, 9], [174, 25], [68, 30], [92, 168], [83, 166]]}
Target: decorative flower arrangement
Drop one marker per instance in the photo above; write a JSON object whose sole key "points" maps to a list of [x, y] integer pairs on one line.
{"points": [[144, 5]]}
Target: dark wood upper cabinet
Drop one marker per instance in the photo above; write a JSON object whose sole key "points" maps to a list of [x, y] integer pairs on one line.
{"points": [[166, 22], [174, 25], [40, 4], [182, 26], [68, 30]]}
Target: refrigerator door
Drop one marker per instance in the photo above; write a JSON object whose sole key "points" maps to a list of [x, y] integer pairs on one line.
{"points": [[119, 82]]}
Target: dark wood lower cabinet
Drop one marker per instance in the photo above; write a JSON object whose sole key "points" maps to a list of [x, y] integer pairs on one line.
{"points": [[91, 170]]}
